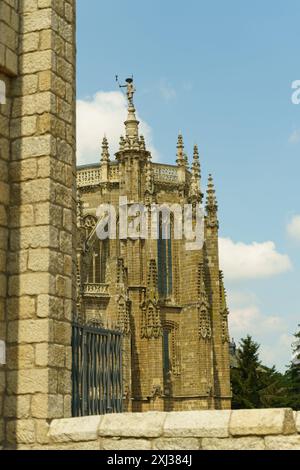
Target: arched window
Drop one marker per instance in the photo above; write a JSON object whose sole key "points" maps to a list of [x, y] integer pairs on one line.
{"points": [[100, 254], [164, 251], [171, 353]]}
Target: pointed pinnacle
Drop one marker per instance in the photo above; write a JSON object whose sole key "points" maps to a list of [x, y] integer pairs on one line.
{"points": [[181, 161], [180, 144], [196, 161], [211, 201], [105, 151]]}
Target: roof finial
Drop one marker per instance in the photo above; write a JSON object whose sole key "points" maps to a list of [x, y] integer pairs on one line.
{"points": [[195, 189], [211, 203], [181, 159], [196, 163], [105, 151]]}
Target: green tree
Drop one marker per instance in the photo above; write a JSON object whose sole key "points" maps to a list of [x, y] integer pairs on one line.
{"points": [[253, 384], [245, 377], [292, 376]]}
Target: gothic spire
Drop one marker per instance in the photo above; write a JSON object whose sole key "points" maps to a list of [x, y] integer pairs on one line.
{"points": [[211, 200], [211, 203], [181, 158], [105, 151], [195, 189], [196, 170]]}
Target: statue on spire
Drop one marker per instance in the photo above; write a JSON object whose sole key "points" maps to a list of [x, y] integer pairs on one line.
{"points": [[130, 90]]}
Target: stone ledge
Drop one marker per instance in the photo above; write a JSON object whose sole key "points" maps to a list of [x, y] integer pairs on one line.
{"points": [[75, 429], [212, 423], [262, 422], [188, 430], [133, 424]]}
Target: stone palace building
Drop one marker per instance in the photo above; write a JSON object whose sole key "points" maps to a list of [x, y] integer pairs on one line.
{"points": [[169, 302]]}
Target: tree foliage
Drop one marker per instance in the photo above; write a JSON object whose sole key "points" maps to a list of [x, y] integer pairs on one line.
{"points": [[257, 386]]}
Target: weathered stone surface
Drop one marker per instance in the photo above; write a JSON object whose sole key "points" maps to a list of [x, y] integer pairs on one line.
{"points": [[125, 444], [22, 431], [29, 381], [78, 446], [176, 444], [262, 422], [133, 424], [297, 419], [239, 443], [282, 442], [197, 424], [17, 407], [75, 429], [47, 406]]}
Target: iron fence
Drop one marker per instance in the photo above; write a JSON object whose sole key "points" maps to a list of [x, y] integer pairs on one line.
{"points": [[96, 370]]}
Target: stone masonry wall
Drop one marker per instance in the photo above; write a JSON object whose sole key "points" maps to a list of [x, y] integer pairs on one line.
{"points": [[37, 183], [270, 429], [9, 29]]}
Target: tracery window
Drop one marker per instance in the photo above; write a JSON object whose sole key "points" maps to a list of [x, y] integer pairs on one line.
{"points": [[171, 353], [100, 254], [164, 251]]}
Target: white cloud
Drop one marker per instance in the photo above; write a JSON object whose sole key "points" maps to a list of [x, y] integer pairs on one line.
{"points": [[294, 138], [104, 114], [257, 260], [293, 228], [270, 331], [249, 319]]}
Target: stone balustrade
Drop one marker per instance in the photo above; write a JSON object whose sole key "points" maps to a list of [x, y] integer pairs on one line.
{"points": [[91, 176], [269, 429], [88, 177]]}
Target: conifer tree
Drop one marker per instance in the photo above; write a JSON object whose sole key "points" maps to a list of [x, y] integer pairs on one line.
{"points": [[253, 384], [293, 375]]}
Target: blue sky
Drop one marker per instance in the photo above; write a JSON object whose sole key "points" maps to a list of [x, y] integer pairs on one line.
{"points": [[221, 73]]}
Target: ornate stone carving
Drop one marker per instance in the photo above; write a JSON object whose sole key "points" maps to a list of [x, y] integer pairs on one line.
{"points": [[224, 310], [151, 321], [123, 321], [205, 330]]}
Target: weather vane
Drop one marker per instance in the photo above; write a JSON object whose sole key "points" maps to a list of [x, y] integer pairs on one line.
{"points": [[130, 88]]}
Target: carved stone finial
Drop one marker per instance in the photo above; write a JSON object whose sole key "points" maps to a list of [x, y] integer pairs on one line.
{"points": [[181, 158], [105, 151], [211, 204], [195, 188]]}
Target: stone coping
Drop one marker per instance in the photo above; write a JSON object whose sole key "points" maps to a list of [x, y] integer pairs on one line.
{"points": [[188, 430]]}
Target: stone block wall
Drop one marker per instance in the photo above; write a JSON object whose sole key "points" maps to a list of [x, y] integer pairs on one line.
{"points": [[270, 429], [37, 214], [9, 37]]}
